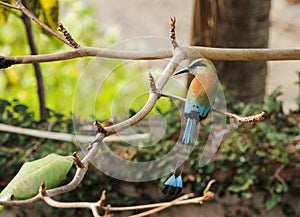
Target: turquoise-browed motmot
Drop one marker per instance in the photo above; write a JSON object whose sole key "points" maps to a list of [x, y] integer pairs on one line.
{"points": [[200, 97]]}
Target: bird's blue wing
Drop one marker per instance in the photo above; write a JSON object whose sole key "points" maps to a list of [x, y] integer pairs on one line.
{"points": [[194, 110], [203, 111]]}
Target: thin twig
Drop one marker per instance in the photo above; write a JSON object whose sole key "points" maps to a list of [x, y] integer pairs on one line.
{"points": [[30, 15], [68, 36], [152, 85], [8, 5], [157, 209], [253, 118], [172, 32]]}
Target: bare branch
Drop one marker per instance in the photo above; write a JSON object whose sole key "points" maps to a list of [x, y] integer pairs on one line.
{"points": [[25, 11], [77, 161], [154, 208], [157, 209], [99, 127], [8, 5], [68, 36], [227, 54], [248, 54], [102, 198], [69, 137], [85, 52], [172, 32], [152, 84], [152, 99], [80, 172], [253, 118]]}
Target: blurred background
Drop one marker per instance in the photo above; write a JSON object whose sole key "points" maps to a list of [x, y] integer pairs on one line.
{"points": [[256, 167]]}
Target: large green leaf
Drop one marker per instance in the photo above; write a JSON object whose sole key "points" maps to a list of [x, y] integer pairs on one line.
{"points": [[50, 170]]}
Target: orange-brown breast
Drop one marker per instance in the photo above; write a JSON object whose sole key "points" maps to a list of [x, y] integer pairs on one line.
{"points": [[202, 85]]}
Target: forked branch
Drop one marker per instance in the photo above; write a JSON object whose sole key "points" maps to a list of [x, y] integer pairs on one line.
{"points": [[177, 55]]}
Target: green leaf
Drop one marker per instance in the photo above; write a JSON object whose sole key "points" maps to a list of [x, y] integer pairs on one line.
{"points": [[20, 108], [35, 7], [50, 170], [3, 105], [271, 202], [238, 188], [49, 13]]}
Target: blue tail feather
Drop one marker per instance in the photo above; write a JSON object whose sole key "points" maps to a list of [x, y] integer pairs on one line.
{"points": [[173, 185], [179, 182], [189, 131], [194, 113]]}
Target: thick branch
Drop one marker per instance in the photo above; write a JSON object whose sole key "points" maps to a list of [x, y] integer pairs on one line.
{"points": [[250, 54], [227, 54]]}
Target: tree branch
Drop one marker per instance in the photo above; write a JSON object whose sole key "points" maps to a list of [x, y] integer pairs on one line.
{"points": [[69, 137], [154, 208], [253, 118], [153, 96], [228, 54], [30, 15], [8, 5], [178, 54], [37, 68]]}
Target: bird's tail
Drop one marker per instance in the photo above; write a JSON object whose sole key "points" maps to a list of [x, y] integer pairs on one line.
{"points": [[173, 185], [189, 131]]}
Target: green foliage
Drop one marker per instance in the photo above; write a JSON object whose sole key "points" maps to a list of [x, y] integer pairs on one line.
{"points": [[60, 78], [16, 149], [260, 157], [50, 170], [45, 10], [4, 13]]}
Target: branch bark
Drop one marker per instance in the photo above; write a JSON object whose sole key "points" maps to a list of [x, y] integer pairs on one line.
{"points": [[69, 137], [229, 54]]}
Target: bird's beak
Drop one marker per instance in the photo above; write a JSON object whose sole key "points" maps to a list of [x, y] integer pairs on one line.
{"points": [[185, 70]]}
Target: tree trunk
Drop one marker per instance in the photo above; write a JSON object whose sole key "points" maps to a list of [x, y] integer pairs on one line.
{"points": [[235, 24], [37, 68]]}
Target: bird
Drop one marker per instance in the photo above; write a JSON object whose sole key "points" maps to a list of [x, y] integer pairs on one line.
{"points": [[199, 100]]}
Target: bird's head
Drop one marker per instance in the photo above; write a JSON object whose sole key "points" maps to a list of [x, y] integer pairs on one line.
{"points": [[198, 66]]}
